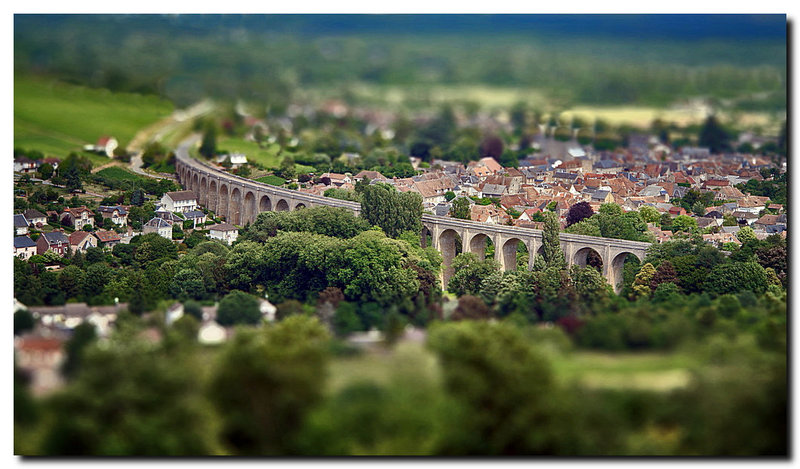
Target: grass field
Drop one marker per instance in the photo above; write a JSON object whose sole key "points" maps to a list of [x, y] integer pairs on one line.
{"points": [[274, 180], [642, 371], [58, 118], [118, 173], [265, 156]]}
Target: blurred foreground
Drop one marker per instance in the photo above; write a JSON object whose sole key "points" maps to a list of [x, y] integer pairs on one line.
{"points": [[467, 387]]}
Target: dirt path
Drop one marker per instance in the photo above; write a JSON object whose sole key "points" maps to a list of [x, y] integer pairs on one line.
{"points": [[158, 130]]}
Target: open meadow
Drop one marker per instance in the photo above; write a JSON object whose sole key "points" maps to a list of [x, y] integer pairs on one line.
{"points": [[58, 118]]}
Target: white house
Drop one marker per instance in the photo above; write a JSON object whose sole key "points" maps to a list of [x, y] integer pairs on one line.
{"points": [[223, 231], [160, 226], [118, 214], [180, 201], [105, 145], [20, 224], [24, 247], [35, 217]]}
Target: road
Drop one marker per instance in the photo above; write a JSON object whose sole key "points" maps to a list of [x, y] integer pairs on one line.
{"points": [[158, 130]]}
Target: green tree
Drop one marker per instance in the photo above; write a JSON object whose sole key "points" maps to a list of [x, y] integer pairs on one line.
{"points": [[553, 254], [188, 283], [649, 214], [23, 321], [460, 209], [501, 386], [714, 136], [208, 146], [194, 309], [266, 382], [82, 336], [131, 398], [698, 208], [45, 171], [449, 195], [737, 277], [382, 205], [641, 283], [237, 307], [684, 223], [746, 234], [469, 272], [71, 280]]}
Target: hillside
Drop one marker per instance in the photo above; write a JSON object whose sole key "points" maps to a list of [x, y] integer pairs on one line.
{"points": [[57, 118]]}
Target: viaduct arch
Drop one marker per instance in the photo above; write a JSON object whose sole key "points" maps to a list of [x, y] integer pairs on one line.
{"points": [[239, 200]]}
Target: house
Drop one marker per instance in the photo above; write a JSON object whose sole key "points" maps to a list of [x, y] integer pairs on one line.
{"points": [[743, 217], [675, 211], [24, 247], [337, 179], [107, 239], [706, 222], [54, 162], [196, 217], [432, 191], [223, 231], [55, 241], [42, 358], [371, 175], [105, 145], [721, 238], [117, 213], [441, 209], [80, 241], [169, 216], [23, 164], [20, 224], [160, 226], [602, 196], [491, 164], [236, 159], [35, 217], [493, 190], [179, 201], [77, 217], [766, 221]]}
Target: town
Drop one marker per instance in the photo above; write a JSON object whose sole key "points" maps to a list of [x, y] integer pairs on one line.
{"points": [[525, 235]]}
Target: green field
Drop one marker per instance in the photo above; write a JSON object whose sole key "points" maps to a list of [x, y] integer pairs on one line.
{"points": [[57, 118], [115, 172], [273, 180], [268, 157], [650, 371]]}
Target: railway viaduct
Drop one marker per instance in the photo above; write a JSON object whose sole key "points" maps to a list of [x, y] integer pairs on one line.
{"points": [[240, 200]]}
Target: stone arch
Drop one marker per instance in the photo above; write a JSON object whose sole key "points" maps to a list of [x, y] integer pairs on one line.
{"points": [[264, 205], [614, 270], [235, 208], [510, 250], [196, 185], [212, 196], [299, 206], [588, 256], [426, 237], [249, 207], [449, 243], [479, 243], [282, 206], [203, 199], [222, 209]]}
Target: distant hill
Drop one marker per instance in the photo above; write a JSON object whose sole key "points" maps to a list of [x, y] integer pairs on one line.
{"points": [[591, 59]]}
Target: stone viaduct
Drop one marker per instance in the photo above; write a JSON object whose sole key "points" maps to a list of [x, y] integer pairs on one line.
{"points": [[240, 200]]}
